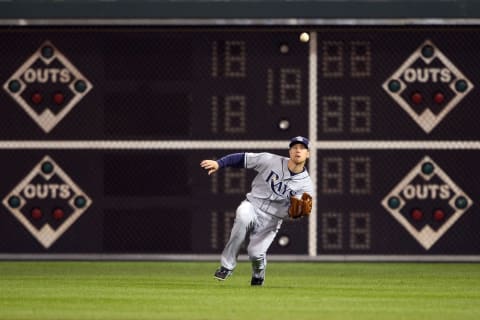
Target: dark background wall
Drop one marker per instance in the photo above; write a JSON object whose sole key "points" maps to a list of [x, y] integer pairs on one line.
{"points": [[245, 9], [107, 108]]}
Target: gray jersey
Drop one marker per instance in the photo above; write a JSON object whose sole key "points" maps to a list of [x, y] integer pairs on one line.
{"points": [[274, 184]]}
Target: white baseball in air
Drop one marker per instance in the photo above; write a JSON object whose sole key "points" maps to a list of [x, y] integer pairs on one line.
{"points": [[284, 124], [284, 241], [304, 37]]}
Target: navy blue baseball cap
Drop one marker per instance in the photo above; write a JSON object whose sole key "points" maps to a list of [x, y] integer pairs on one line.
{"points": [[301, 140]]}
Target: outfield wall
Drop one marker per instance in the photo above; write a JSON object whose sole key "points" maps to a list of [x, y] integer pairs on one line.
{"points": [[104, 124]]}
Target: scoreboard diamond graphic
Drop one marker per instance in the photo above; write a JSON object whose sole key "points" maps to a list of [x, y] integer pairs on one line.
{"points": [[47, 202], [427, 202], [47, 86], [428, 86]]}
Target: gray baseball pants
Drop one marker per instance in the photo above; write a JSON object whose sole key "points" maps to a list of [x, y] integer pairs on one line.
{"points": [[260, 228]]}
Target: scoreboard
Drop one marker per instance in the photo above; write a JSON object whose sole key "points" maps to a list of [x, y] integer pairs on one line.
{"points": [[178, 84], [102, 129]]}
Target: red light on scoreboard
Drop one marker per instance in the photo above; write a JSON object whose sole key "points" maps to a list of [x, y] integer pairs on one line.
{"points": [[439, 215], [58, 98], [37, 98], [58, 214], [417, 214], [417, 98], [439, 98], [36, 213]]}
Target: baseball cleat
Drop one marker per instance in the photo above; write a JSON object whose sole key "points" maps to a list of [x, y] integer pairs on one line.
{"points": [[222, 273], [256, 281]]}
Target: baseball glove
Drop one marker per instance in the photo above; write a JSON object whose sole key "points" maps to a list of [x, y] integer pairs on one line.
{"points": [[300, 207]]}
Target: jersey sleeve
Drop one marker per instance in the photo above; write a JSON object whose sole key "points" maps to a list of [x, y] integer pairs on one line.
{"points": [[260, 161], [234, 160]]}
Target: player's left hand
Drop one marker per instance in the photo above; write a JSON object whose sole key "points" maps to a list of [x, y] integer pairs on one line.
{"points": [[210, 165], [300, 207], [307, 203]]}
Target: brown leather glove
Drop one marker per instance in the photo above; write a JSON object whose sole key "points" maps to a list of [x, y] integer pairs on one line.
{"points": [[300, 207], [307, 204]]}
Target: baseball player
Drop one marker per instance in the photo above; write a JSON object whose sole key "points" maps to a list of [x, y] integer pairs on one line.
{"points": [[282, 189]]}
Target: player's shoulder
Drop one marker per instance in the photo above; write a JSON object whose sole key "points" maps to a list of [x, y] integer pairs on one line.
{"points": [[263, 159], [304, 177], [263, 155]]}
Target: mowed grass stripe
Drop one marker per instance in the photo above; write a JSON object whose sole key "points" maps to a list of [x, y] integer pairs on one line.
{"points": [[187, 290]]}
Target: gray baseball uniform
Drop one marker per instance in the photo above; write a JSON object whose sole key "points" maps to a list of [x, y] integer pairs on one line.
{"points": [[261, 214]]}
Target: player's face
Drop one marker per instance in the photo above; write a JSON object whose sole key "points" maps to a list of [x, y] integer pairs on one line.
{"points": [[299, 153]]}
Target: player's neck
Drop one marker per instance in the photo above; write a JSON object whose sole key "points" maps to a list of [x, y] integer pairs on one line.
{"points": [[296, 167]]}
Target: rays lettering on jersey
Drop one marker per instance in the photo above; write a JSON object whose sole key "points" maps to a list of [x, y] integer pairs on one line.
{"points": [[278, 187]]}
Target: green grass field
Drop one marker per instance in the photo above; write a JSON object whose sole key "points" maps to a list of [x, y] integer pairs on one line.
{"points": [[187, 290]]}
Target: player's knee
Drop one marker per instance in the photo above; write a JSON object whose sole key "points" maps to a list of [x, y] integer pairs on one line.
{"points": [[243, 215], [242, 218], [256, 258]]}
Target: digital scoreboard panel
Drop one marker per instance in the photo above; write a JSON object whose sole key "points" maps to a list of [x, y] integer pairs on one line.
{"points": [[103, 129], [178, 84], [117, 201], [397, 201]]}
